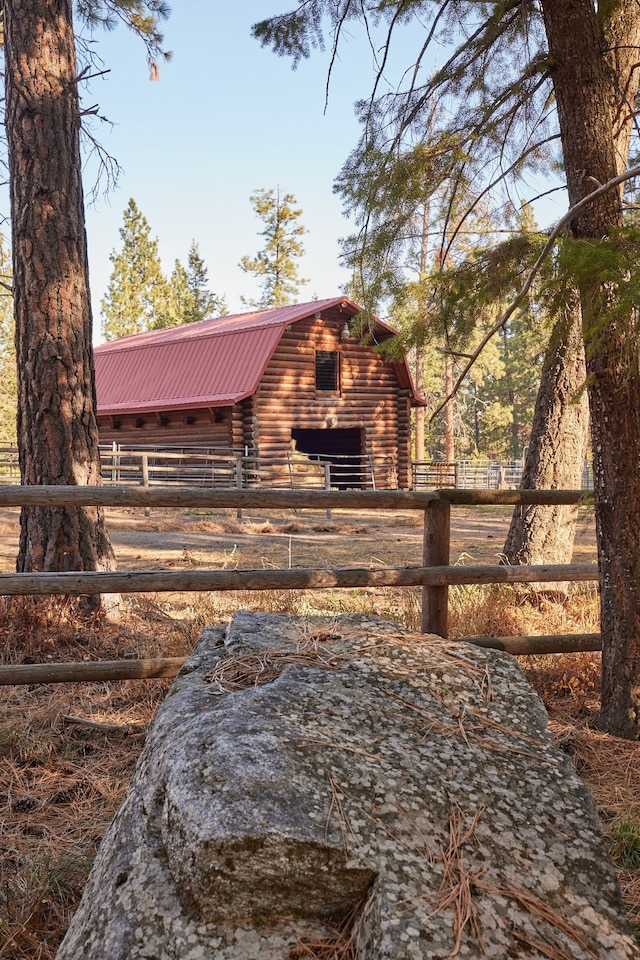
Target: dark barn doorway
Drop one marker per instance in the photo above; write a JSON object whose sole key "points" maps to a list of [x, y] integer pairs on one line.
{"points": [[341, 446]]}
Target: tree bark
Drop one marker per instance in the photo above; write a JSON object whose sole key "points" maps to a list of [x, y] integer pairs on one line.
{"points": [[555, 456], [57, 430], [583, 80], [419, 412], [449, 433], [556, 451]]}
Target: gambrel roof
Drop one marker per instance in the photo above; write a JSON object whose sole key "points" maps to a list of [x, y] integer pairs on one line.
{"points": [[210, 363]]}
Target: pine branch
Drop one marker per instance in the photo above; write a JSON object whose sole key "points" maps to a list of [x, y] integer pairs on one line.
{"points": [[515, 303]]}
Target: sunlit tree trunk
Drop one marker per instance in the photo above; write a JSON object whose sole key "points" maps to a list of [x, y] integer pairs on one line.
{"points": [[449, 435], [582, 84], [57, 432], [419, 412], [556, 451]]}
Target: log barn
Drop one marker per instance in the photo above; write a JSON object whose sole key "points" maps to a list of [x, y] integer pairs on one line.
{"points": [[262, 383]]}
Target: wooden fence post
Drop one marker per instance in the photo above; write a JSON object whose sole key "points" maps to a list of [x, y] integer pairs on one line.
{"points": [[327, 485], [145, 478], [239, 485], [435, 553], [115, 464]]}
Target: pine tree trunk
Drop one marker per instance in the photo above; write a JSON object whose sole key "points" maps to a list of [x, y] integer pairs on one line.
{"points": [[556, 452], [449, 436], [582, 84], [419, 452], [57, 431]]}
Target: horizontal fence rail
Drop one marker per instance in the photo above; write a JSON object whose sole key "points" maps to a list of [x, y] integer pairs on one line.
{"points": [[108, 496], [87, 671], [434, 576], [169, 667], [300, 578]]}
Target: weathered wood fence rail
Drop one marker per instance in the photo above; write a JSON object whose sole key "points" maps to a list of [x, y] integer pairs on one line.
{"points": [[435, 575]]}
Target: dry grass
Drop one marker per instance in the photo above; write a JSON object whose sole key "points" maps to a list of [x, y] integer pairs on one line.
{"points": [[62, 782]]}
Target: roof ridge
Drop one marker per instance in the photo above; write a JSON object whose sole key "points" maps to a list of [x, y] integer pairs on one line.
{"points": [[153, 338]]}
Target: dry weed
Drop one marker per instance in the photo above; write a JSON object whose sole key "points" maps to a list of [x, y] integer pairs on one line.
{"points": [[501, 610]]}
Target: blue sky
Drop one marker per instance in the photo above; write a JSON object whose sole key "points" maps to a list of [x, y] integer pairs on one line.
{"points": [[226, 118]]}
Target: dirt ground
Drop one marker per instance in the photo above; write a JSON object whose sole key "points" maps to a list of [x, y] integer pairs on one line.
{"points": [[178, 539]]}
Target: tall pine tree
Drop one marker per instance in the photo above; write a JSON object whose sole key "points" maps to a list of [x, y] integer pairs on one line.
{"points": [[8, 372], [200, 302], [275, 266], [57, 429]]}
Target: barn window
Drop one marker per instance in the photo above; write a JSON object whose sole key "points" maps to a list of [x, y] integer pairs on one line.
{"points": [[327, 367]]}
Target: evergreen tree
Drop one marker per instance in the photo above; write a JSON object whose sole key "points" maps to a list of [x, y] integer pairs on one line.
{"points": [[188, 297], [179, 295], [525, 75], [430, 278], [138, 297], [200, 301], [275, 265]]}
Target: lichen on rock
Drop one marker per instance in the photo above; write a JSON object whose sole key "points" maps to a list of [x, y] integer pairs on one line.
{"points": [[338, 780]]}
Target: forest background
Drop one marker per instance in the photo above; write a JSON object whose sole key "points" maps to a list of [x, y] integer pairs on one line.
{"points": [[488, 418]]}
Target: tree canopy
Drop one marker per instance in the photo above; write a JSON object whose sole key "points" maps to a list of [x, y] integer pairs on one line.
{"points": [[275, 266], [140, 297]]}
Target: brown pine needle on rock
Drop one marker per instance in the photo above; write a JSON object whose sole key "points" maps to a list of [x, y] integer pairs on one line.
{"points": [[243, 670], [540, 910], [456, 886], [344, 944]]}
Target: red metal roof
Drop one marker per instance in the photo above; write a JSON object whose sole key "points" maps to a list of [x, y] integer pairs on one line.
{"points": [[211, 363]]}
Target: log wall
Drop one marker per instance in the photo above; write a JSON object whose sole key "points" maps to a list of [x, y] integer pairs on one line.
{"points": [[193, 428], [370, 398]]}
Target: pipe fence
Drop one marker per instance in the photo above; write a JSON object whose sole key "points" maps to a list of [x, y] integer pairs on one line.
{"points": [[224, 467], [435, 575], [195, 466]]}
